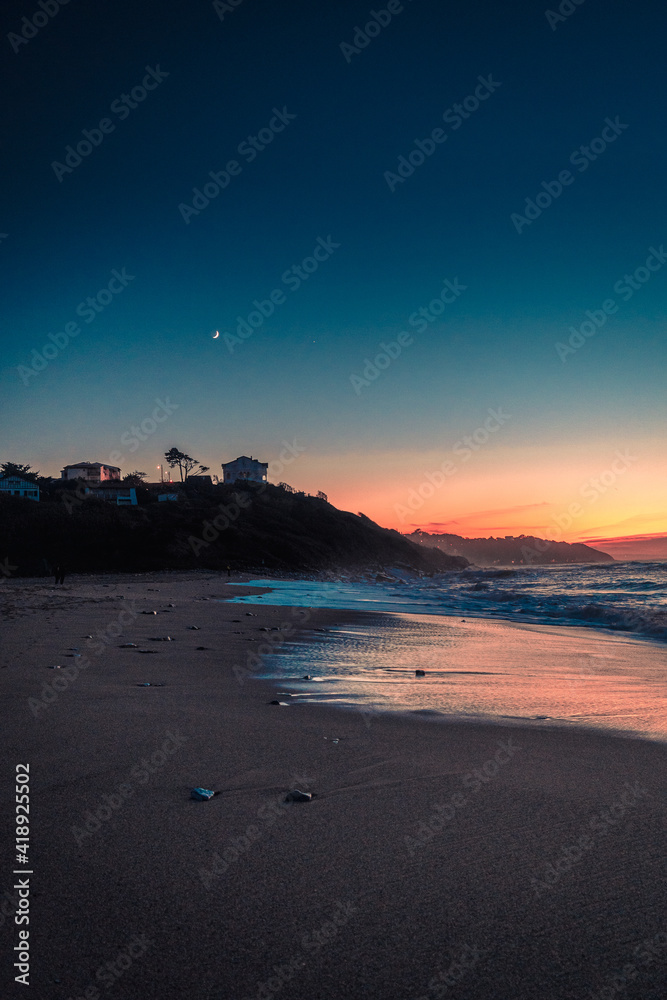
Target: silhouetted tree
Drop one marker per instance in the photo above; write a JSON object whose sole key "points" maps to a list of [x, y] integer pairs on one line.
{"points": [[135, 478], [22, 471], [185, 463]]}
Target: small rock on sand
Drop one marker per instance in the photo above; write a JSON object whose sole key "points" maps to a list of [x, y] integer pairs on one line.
{"points": [[298, 796], [202, 794]]}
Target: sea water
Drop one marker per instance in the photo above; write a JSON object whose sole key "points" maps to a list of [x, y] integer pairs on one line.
{"points": [[566, 645]]}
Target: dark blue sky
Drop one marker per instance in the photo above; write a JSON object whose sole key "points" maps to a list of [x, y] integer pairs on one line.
{"points": [[323, 176]]}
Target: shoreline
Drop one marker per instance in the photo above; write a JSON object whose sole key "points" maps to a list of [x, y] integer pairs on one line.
{"points": [[532, 851], [314, 625], [566, 691]]}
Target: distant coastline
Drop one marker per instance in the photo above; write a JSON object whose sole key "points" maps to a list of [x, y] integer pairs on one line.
{"points": [[523, 550]]}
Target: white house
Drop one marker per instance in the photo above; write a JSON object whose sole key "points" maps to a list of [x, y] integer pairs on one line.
{"points": [[91, 472], [17, 487], [244, 468]]}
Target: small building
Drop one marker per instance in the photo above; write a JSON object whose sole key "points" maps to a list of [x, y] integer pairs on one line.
{"points": [[119, 493], [203, 481], [245, 469], [91, 472], [17, 487]]}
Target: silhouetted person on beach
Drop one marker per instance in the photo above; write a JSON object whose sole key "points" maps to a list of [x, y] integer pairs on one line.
{"points": [[229, 572], [59, 571]]}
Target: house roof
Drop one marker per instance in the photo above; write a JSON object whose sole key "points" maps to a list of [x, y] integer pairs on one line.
{"points": [[92, 465], [244, 458], [18, 481]]}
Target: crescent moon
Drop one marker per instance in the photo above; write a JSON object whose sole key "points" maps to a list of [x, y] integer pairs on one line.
{"points": [[216, 334]]}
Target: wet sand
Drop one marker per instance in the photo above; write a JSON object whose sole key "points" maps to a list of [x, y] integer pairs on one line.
{"points": [[487, 670], [437, 859]]}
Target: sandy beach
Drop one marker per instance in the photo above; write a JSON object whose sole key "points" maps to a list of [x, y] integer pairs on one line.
{"points": [[436, 859]]}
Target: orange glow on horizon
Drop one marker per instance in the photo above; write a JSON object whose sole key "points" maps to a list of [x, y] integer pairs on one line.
{"points": [[598, 493]]}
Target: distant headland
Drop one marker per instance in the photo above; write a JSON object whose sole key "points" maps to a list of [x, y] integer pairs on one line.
{"points": [[524, 550]]}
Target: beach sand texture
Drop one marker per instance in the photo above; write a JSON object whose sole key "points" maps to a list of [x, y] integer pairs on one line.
{"points": [[436, 859]]}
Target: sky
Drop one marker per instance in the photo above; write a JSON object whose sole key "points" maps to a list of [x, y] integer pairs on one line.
{"points": [[471, 195]]}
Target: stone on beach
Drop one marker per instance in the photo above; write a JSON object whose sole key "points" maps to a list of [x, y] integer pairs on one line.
{"points": [[202, 794], [298, 796]]}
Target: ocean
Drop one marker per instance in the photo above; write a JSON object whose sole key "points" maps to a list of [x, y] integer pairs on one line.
{"points": [[561, 645]]}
